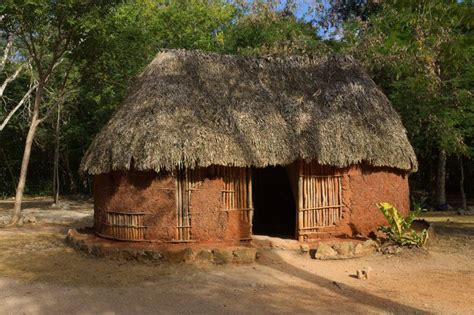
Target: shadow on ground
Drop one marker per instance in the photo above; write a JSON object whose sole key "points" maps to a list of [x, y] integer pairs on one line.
{"points": [[39, 274]]}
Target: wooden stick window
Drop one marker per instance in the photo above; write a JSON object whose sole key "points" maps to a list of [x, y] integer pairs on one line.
{"points": [[320, 193], [183, 211], [124, 226], [237, 193]]}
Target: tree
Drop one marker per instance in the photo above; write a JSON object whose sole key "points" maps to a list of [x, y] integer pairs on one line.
{"points": [[263, 30], [18, 65], [421, 53], [48, 31], [109, 52]]}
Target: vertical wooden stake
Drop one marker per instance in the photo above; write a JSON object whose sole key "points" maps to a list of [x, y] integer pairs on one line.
{"points": [[300, 201]]}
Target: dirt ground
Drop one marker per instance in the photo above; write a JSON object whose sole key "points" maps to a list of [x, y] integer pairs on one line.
{"points": [[39, 274]]}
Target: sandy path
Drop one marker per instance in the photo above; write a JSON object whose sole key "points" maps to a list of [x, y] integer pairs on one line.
{"points": [[40, 275]]}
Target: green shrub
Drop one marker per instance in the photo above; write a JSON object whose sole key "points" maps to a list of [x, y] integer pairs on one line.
{"points": [[399, 229]]}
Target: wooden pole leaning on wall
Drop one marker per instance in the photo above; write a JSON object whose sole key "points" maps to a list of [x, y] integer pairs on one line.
{"points": [[189, 184], [178, 203], [300, 201], [250, 199], [243, 193], [340, 197]]}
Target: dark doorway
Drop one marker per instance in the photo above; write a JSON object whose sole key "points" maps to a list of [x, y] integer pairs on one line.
{"points": [[274, 204]]}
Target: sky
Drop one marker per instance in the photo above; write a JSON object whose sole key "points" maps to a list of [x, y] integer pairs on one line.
{"points": [[302, 7]]}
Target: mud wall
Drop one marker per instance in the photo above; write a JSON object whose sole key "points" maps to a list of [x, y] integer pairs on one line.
{"points": [[155, 195], [210, 222], [137, 192], [366, 186], [362, 188]]}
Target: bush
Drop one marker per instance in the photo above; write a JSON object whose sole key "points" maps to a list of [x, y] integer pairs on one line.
{"points": [[399, 229]]}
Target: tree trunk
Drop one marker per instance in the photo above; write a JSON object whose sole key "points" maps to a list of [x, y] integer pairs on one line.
{"points": [[35, 121], [441, 179], [461, 184], [56, 160], [69, 173]]}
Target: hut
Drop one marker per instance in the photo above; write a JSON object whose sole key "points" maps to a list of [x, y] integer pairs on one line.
{"points": [[210, 147]]}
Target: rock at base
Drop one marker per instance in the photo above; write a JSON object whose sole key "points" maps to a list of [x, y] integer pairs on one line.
{"points": [[245, 255], [222, 256], [345, 249], [324, 251], [367, 247]]}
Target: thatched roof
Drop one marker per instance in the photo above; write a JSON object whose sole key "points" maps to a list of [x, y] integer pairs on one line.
{"points": [[200, 109]]}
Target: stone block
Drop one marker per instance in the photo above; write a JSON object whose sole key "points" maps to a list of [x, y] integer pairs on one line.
{"points": [[345, 249], [325, 251], [244, 255], [222, 255]]}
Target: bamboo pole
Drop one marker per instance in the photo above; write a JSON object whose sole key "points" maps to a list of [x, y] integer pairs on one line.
{"points": [[309, 181], [318, 200], [314, 187], [330, 200], [300, 202], [310, 199], [341, 201], [178, 203], [250, 200], [313, 199], [336, 199], [306, 199], [188, 212], [180, 215]]}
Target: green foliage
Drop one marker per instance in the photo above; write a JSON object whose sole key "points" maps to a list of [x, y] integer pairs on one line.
{"points": [[275, 33], [112, 42], [399, 229], [193, 24], [421, 54], [49, 34]]}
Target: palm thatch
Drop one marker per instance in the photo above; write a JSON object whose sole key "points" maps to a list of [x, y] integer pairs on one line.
{"points": [[197, 109]]}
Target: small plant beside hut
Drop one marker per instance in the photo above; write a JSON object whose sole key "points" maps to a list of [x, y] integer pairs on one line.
{"points": [[400, 229]]}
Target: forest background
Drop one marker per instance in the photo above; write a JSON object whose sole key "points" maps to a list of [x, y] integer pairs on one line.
{"points": [[67, 65]]}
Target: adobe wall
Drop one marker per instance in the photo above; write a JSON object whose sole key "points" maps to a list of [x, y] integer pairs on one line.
{"points": [[369, 186], [209, 221], [135, 192], [155, 195], [362, 188]]}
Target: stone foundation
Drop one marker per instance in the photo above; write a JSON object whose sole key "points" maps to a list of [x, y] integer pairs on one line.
{"points": [[157, 253]]}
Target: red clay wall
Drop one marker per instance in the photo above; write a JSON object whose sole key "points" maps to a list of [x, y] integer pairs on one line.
{"points": [[137, 192], [156, 196], [362, 188], [369, 186], [209, 220]]}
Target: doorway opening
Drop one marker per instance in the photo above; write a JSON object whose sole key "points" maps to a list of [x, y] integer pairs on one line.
{"points": [[274, 203]]}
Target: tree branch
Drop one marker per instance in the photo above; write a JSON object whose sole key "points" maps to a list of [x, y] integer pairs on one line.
{"points": [[58, 53], [20, 103], [6, 51], [57, 63], [11, 78], [62, 91], [30, 46]]}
